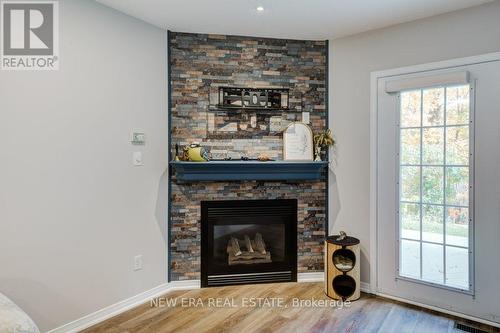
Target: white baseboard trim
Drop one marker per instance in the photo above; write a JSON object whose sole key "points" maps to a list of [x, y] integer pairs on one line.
{"points": [[134, 301], [125, 305], [185, 285], [112, 310], [310, 277], [438, 309], [365, 287]]}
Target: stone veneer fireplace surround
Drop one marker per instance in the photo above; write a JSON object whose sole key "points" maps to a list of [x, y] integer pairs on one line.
{"points": [[198, 65]]}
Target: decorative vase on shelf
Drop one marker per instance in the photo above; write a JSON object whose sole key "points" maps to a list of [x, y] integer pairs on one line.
{"points": [[322, 140], [323, 154], [317, 153]]}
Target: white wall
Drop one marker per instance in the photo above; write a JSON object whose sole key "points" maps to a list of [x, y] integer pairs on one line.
{"points": [[73, 209], [459, 34]]}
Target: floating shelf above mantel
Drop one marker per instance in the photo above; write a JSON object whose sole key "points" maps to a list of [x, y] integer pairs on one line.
{"points": [[240, 109], [248, 170]]}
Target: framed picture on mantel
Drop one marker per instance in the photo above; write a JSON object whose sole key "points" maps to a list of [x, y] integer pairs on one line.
{"points": [[298, 142]]}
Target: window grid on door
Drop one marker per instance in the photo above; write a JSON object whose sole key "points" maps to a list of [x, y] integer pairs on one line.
{"points": [[434, 186]]}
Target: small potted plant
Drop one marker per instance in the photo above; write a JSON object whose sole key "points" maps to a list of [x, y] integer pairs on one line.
{"points": [[322, 141]]}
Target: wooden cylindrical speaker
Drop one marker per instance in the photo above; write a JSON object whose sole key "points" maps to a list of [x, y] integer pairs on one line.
{"points": [[342, 267]]}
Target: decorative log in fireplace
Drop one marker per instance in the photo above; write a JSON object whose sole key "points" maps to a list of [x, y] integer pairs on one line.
{"points": [[248, 257]]}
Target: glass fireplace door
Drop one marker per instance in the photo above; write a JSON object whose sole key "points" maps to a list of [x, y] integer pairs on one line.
{"points": [[248, 241]]}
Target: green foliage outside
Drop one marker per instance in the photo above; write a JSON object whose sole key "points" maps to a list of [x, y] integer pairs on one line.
{"points": [[443, 152]]}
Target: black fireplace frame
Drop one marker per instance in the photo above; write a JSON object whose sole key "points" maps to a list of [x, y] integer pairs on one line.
{"points": [[285, 271]]}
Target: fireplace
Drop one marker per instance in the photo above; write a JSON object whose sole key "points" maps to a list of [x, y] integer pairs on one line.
{"points": [[248, 241]]}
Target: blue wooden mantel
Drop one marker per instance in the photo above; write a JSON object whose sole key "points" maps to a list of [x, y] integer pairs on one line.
{"points": [[248, 170]]}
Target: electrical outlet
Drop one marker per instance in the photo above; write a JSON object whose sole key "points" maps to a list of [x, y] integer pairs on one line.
{"points": [[138, 262], [137, 158]]}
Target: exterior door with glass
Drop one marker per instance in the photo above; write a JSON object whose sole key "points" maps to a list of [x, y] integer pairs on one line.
{"points": [[436, 197]]}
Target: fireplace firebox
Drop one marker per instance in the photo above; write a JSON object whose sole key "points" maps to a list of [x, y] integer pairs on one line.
{"points": [[248, 241]]}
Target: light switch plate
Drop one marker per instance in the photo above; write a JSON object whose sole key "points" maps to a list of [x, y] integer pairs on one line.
{"points": [[138, 262], [137, 158], [138, 138]]}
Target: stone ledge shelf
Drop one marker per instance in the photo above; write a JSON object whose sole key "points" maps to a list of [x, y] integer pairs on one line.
{"points": [[248, 170]]}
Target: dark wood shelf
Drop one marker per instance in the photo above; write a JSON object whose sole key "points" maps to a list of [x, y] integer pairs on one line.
{"points": [[217, 108], [248, 170]]}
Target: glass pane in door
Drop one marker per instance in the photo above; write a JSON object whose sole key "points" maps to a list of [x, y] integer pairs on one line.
{"points": [[434, 185]]}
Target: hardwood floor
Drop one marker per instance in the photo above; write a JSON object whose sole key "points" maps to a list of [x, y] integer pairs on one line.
{"points": [[277, 311]]}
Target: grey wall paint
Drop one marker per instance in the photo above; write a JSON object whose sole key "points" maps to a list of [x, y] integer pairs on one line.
{"points": [[73, 209], [459, 34]]}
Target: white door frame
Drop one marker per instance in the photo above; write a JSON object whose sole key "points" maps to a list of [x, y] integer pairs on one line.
{"points": [[374, 77]]}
